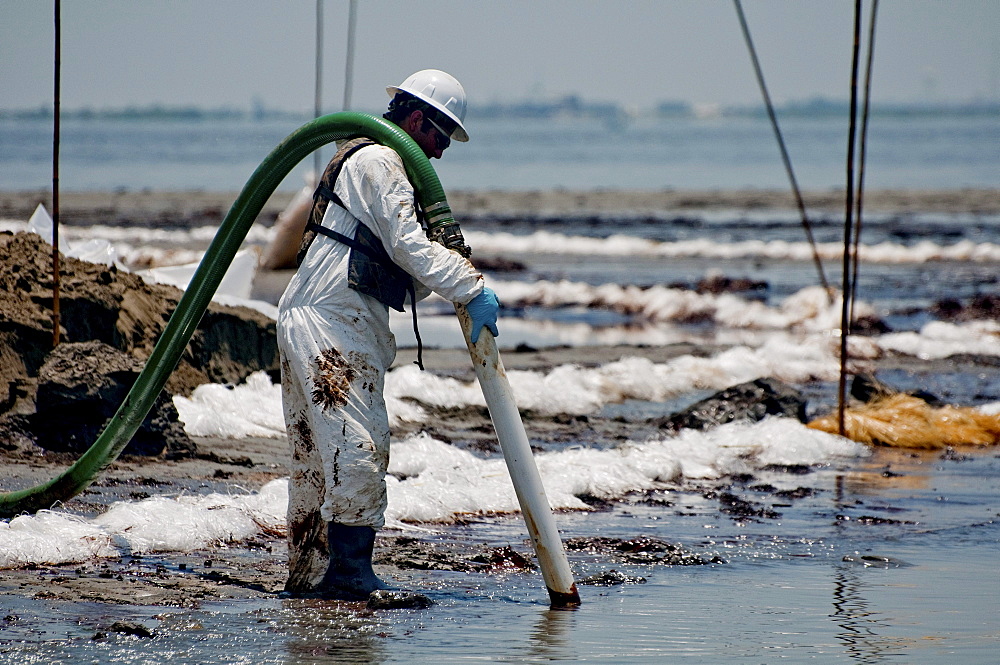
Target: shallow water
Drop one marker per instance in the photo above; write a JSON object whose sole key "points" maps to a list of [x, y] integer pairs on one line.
{"points": [[523, 154], [793, 587]]}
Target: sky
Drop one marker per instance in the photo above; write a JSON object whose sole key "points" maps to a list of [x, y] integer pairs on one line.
{"points": [[228, 53]]}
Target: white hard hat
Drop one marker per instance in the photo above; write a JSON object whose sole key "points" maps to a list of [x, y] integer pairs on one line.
{"points": [[442, 91]]}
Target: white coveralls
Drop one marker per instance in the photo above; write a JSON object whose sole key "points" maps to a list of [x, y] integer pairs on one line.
{"points": [[335, 347]]}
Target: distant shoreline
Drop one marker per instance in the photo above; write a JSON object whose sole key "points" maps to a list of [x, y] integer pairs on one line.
{"points": [[202, 207], [545, 109]]}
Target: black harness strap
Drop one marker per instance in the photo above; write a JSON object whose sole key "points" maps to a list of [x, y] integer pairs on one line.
{"points": [[323, 195], [324, 192], [374, 255], [329, 193], [351, 242]]}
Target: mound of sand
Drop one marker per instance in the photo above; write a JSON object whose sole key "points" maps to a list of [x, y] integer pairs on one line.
{"points": [[117, 309]]}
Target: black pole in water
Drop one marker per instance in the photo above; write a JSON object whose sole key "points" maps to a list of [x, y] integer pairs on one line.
{"points": [[55, 176], [845, 323], [781, 145]]}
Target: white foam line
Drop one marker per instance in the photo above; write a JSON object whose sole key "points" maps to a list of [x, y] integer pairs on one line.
{"points": [[441, 482], [547, 242], [254, 408], [137, 239], [157, 524], [431, 481], [572, 389], [939, 339], [809, 309]]}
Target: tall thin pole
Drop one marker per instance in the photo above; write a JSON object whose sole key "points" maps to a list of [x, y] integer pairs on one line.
{"points": [[352, 19], [781, 144], [318, 90], [55, 175], [845, 322], [862, 156]]}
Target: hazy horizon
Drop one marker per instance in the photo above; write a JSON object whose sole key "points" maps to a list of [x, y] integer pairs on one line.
{"points": [[140, 53], [510, 108]]}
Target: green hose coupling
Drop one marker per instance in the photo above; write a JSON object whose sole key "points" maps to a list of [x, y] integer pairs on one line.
{"points": [[442, 228]]}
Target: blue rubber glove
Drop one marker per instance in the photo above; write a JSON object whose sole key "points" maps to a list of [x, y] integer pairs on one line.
{"points": [[484, 309]]}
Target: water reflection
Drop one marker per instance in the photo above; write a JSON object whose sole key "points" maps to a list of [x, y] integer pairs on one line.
{"points": [[859, 625], [890, 469], [551, 636], [326, 631]]}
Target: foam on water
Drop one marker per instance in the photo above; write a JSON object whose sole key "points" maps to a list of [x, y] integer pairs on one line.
{"points": [[543, 332], [250, 409], [807, 309], [940, 339], [440, 482], [157, 524], [136, 245], [254, 408], [573, 389], [548, 242], [429, 481]]}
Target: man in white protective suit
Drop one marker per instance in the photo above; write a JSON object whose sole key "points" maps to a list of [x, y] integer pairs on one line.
{"points": [[364, 250]]}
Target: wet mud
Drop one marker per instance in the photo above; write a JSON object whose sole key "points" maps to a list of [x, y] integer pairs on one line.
{"points": [[259, 568]]}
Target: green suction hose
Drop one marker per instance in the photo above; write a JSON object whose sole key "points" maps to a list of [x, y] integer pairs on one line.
{"points": [[231, 234]]}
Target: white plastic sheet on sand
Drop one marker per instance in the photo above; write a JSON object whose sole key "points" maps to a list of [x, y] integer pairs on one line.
{"points": [[94, 244], [95, 250]]}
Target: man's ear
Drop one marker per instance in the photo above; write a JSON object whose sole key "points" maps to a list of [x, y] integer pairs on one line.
{"points": [[414, 120]]}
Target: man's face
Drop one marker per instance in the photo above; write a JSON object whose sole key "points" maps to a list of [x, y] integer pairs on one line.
{"points": [[430, 139]]}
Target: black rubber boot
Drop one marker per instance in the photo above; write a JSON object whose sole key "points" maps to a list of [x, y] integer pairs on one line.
{"points": [[350, 575]]}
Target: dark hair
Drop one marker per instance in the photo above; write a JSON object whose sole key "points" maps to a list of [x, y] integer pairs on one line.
{"points": [[403, 104]]}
